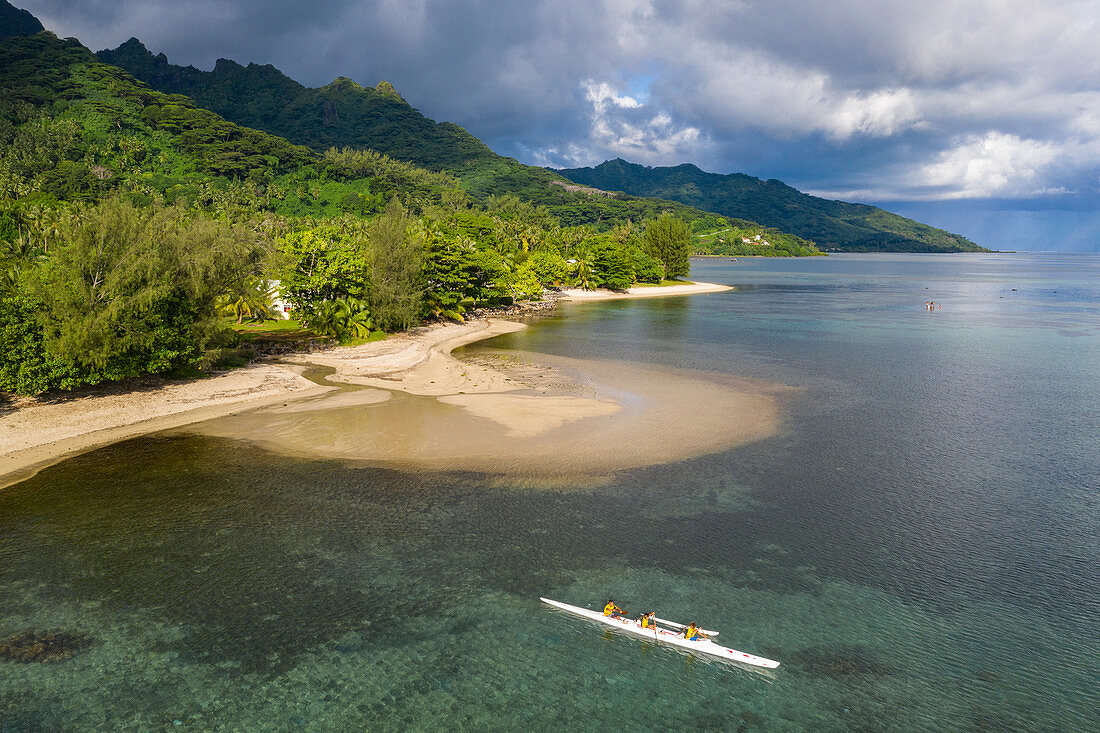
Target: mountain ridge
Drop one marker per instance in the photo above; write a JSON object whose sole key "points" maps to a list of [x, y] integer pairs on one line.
{"points": [[17, 22], [830, 223], [346, 114], [343, 113], [340, 113], [182, 151]]}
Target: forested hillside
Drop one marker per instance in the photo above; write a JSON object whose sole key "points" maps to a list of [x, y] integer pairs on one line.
{"points": [[16, 22], [345, 114], [831, 224], [340, 114]]}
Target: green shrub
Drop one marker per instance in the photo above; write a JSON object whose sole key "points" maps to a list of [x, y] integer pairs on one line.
{"points": [[227, 358]]}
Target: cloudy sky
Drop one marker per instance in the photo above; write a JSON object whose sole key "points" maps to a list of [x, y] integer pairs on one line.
{"points": [[980, 116]]}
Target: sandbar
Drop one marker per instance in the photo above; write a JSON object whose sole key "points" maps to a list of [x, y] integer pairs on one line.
{"points": [[35, 433], [596, 418], [654, 291]]}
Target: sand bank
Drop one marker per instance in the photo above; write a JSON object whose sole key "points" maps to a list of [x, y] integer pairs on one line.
{"points": [[37, 432], [596, 418], [655, 291], [419, 361]]}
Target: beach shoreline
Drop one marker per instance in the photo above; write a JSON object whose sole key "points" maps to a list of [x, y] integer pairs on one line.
{"points": [[39, 433], [576, 294]]}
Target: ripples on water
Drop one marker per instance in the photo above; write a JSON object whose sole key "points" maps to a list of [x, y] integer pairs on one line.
{"points": [[918, 546]]}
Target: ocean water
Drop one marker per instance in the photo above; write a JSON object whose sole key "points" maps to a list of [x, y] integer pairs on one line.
{"points": [[918, 545]]}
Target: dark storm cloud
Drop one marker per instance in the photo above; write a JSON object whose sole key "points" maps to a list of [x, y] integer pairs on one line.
{"points": [[880, 100], [495, 67]]}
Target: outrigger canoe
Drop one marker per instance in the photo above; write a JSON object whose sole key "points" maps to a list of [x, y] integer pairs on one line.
{"points": [[664, 636]]}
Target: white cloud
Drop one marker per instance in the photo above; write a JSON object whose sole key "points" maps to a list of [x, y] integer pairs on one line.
{"points": [[602, 95], [879, 113], [620, 125], [994, 164]]}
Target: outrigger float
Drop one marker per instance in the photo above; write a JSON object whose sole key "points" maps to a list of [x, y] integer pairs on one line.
{"points": [[666, 636]]}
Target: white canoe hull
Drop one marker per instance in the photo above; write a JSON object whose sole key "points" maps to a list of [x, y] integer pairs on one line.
{"points": [[661, 636]]}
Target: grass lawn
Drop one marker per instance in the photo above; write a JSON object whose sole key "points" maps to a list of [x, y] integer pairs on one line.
{"points": [[374, 336], [282, 330]]}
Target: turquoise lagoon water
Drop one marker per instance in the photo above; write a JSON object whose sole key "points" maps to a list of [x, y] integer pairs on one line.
{"points": [[918, 545]]}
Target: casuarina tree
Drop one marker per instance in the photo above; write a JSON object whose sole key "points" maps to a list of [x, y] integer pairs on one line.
{"points": [[668, 239]]}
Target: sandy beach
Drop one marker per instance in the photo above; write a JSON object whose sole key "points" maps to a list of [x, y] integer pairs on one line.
{"points": [[36, 433], [645, 292], [564, 418], [528, 412]]}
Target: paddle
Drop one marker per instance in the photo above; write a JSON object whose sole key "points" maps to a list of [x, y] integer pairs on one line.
{"points": [[673, 624]]}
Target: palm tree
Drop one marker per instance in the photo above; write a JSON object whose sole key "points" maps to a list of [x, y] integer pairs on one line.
{"points": [[341, 319], [322, 319], [50, 226], [427, 229], [584, 278], [250, 299], [354, 315]]}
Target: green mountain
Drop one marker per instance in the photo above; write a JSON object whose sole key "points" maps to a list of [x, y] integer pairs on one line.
{"points": [[79, 128], [831, 224], [345, 114], [73, 128], [17, 22], [340, 114]]}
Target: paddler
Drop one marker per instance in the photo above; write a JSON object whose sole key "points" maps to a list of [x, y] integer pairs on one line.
{"points": [[692, 633], [612, 610], [648, 620]]}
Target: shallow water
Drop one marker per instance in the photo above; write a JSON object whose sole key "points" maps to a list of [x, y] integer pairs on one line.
{"points": [[918, 545]]}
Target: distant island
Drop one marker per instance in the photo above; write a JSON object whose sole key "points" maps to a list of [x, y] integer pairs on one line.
{"points": [[835, 225]]}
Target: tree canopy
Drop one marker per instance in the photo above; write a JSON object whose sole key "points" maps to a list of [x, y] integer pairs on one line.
{"points": [[669, 240], [123, 292]]}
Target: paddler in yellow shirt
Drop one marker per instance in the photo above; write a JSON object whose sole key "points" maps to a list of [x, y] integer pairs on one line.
{"points": [[692, 633], [612, 610]]}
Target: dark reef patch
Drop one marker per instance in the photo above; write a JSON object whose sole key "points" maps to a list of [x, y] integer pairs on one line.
{"points": [[840, 663], [43, 647]]}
